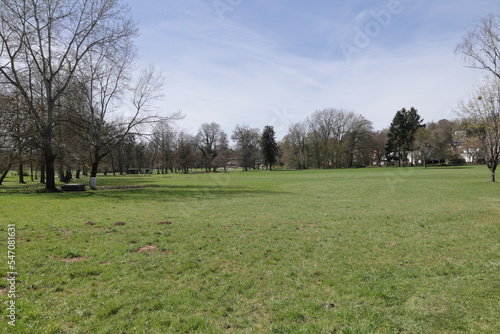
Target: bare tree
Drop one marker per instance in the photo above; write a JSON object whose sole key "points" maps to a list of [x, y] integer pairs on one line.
{"points": [[42, 44], [480, 46], [7, 142], [94, 95], [423, 144], [468, 147], [436, 141], [123, 152], [379, 141], [16, 139], [356, 140], [209, 139], [223, 152], [247, 145], [481, 118], [7, 157], [442, 139], [185, 151], [163, 144], [297, 137], [334, 134], [100, 130], [321, 124]]}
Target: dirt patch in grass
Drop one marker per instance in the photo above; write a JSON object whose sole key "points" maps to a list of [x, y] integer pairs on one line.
{"points": [[119, 224], [164, 223], [147, 248]]}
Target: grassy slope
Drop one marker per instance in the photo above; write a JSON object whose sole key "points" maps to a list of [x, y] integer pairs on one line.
{"points": [[349, 251]]}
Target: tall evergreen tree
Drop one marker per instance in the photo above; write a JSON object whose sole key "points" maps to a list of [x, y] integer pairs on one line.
{"points": [[269, 147], [402, 134]]}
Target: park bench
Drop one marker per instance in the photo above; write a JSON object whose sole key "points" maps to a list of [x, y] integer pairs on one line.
{"points": [[73, 187]]}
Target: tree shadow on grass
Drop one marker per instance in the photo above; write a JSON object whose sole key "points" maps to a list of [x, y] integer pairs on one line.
{"points": [[449, 167], [170, 193]]}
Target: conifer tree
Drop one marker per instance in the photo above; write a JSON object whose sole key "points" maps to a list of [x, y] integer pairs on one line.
{"points": [[401, 134], [269, 147]]}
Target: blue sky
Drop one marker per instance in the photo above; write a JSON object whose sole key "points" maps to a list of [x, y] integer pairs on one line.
{"points": [[257, 62]]}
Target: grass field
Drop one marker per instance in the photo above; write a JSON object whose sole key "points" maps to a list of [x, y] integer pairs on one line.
{"points": [[377, 250]]}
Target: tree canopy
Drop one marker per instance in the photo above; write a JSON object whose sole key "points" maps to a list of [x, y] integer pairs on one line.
{"points": [[401, 134], [481, 119], [269, 147], [43, 44]]}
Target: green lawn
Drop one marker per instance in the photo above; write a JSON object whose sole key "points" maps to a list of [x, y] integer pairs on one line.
{"points": [[378, 250]]}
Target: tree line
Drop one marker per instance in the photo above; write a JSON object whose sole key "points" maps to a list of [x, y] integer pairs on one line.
{"points": [[67, 90], [329, 138], [69, 103]]}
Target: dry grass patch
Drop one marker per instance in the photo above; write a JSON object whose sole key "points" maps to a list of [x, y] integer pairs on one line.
{"points": [[147, 248]]}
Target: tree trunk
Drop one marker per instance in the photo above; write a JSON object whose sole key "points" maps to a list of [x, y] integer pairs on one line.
{"points": [[95, 166], [42, 171], [492, 167], [21, 170], [68, 175], [60, 174], [31, 169], [4, 174], [113, 168], [50, 182]]}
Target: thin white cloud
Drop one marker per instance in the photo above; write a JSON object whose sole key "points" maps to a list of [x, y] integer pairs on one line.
{"points": [[232, 72]]}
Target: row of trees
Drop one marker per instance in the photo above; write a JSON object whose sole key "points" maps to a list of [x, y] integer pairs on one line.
{"points": [[165, 149], [407, 141], [335, 138], [481, 113], [210, 148], [329, 138], [66, 83], [69, 102]]}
